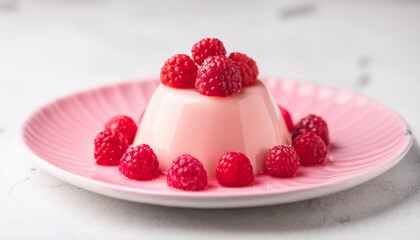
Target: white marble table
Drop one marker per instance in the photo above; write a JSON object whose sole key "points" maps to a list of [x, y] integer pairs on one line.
{"points": [[52, 48]]}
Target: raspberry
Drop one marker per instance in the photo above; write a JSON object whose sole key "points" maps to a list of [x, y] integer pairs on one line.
{"points": [[282, 161], [234, 170], [109, 147], [310, 148], [140, 163], [187, 173], [247, 67], [315, 124], [179, 71], [125, 125], [287, 118], [218, 76], [206, 48]]}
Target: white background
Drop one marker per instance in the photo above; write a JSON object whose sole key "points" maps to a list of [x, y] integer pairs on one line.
{"points": [[52, 48]]}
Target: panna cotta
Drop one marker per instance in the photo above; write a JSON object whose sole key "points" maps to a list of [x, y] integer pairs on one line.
{"points": [[182, 121], [211, 118]]}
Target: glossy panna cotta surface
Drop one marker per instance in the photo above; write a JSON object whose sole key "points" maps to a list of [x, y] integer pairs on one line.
{"points": [[182, 121]]}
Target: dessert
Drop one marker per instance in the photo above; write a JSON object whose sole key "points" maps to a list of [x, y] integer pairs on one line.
{"points": [[211, 118], [180, 121]]}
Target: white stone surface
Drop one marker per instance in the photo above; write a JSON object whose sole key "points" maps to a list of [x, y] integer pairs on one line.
{"points": [[52, 48]]}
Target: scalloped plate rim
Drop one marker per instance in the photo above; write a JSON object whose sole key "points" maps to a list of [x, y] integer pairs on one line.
{"points": [[201, 199]]}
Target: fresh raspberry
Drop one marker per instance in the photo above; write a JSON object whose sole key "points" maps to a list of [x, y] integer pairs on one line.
{"points": [[109, 147], [247, 67], [315, 124], [234, 170], [218, 76], [187, 173], [206, 48], [282, 161], [287, 118], [125, 125], [179, 71], [140, 163], [310, 148]]}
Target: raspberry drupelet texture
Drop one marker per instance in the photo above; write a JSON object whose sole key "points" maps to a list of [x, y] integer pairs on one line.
{"points": [[139, 163], [234, 170], [218, 76], [310, 148], [109, 147], [287, 118], [247, 67], [315, 124], [125, 125], [179, 71], [282, 161], [206, 48], [187, 173]]}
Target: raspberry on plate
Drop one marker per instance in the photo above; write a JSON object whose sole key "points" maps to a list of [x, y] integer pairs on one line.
{"points": [[125, 125], [287, 118], [109, 147], [179, 71], [315, 124], [206, 48], [310, 148], [234, 170], [218, 76], [139, 163], [247, 67], [187, 173], [282, 161]]}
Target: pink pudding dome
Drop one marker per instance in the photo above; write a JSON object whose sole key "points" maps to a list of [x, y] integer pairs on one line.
{"points": [[182, 121]]}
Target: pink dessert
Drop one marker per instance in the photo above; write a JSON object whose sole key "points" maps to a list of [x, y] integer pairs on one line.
{"points": [[182, 121], [211, 117]]}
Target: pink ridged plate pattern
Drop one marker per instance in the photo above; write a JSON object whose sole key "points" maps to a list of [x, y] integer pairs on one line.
{"points": [[366, 140]]}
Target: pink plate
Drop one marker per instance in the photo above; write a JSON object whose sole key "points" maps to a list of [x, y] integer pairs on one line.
{"points": [[367, 139]]}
